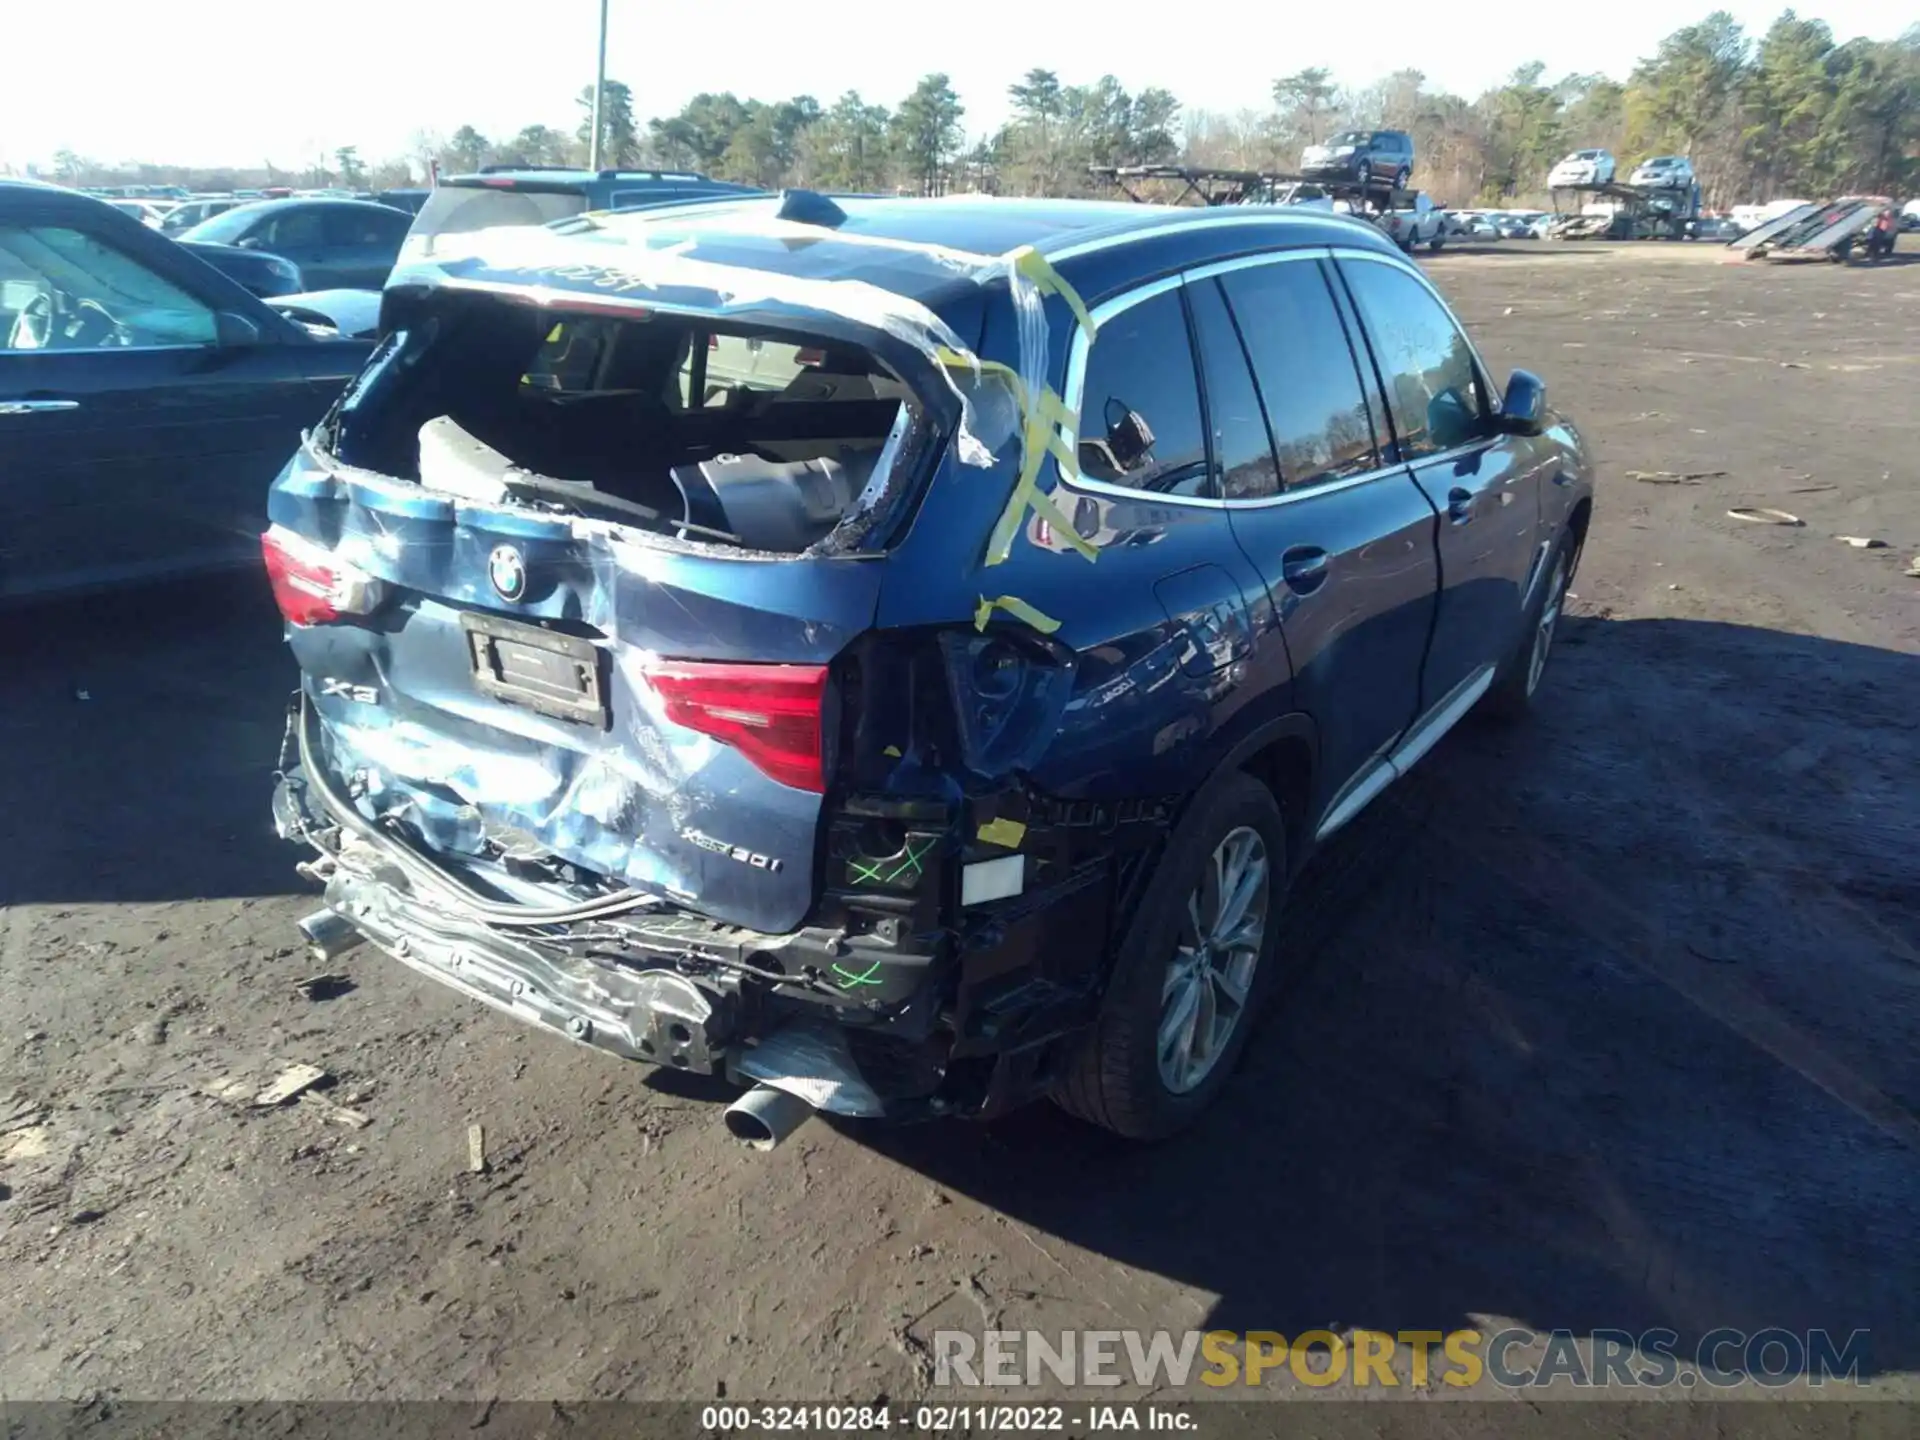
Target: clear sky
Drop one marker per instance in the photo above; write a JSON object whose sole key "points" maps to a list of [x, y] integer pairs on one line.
{"points": [[213, 82]]}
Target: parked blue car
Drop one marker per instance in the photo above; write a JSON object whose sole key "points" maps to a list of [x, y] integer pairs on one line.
{"points": [[337, 244], [703, 659]]}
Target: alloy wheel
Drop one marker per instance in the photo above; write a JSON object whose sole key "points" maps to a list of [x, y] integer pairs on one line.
{"points": [[1543, 630], [1210, 977]]}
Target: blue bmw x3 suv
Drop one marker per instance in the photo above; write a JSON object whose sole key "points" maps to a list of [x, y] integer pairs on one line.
{"points": [[897, 654]]}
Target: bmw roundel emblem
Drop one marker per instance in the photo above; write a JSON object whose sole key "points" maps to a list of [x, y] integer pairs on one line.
{"points": [[508, 572]]}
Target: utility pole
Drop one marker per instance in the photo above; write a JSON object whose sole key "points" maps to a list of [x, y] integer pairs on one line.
{"points": [[599, 92]]}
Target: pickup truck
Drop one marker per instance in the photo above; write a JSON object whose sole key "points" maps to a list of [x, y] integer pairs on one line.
{"points": [[1421, 223]]}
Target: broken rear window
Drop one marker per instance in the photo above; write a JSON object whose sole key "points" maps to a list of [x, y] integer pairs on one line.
{"points": [[715, 432]]}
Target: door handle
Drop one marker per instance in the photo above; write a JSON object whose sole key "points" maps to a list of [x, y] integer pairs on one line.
{"points": [[1304, 569], [1459, 505], [35, 407]]}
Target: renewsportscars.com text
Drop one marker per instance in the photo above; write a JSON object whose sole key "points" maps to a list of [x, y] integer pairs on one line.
{"points": [[1376, 1359]]}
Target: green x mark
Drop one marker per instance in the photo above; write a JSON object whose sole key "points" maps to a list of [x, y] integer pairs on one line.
{"points": [[914, 862], [848, 979]]}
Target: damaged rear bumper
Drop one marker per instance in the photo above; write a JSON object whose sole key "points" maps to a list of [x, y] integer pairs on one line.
{"points": [[981, 1033], [655, 1015]]}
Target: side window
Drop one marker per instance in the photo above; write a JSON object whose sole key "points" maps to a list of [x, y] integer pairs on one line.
{"points": [[295, 228], [390, 227], [62, 289], [360, 229], [1140, 405], [571, 356], [1309, 382], [738, 363], [1242, 449], [1434, 389]]}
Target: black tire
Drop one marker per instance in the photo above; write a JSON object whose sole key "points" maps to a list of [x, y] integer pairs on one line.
{"points": [[1401, 177], [1436, 243], [1116, 1078], [1518, 681]]}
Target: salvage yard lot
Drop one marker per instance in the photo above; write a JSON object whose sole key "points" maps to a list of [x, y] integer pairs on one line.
{"points": [[1612, 1021]]}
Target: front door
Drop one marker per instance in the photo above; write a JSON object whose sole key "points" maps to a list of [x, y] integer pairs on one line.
{"points": [[1485, 485], [133, 443]]}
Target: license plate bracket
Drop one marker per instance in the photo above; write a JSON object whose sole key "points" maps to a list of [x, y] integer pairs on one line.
{"points": [[556, 674]]}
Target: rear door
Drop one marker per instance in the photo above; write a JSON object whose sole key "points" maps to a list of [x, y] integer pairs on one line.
{"points": [[1169, 607], [1164, 624], [133, 442], [1344, 540], [1485, 485]]}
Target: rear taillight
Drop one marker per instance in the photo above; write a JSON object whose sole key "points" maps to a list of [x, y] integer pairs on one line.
{"points": [[311, 584], [771, 714]]}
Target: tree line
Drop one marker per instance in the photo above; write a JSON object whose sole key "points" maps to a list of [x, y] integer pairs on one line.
{"points": [[1784, 112]]}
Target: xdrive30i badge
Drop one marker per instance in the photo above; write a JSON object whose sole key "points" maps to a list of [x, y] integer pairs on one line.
{"points": [[769, 863]]}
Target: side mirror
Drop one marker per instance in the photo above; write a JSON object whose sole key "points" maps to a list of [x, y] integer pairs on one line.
{"points": [[247, 242], [1523, 409], [233, 330]]}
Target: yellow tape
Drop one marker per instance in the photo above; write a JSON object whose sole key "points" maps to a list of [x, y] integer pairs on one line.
{"points": [[1041, 435], [1045, 425], [1002, 832], [967, 360], [1035, 266], [1016, 607]]}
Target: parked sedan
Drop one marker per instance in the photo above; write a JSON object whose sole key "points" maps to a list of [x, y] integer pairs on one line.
{"points": [[154, 217], [189, 213], [838, 828], [1665, 172], [145, 399], [348, 244], [1582, 167]]}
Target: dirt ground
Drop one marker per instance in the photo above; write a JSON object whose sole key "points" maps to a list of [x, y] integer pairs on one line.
{"points": [[1609, 1022]]}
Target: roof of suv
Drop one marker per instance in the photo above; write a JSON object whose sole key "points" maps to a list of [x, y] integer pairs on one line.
{"points": [[1103, 245], [568, 177]]}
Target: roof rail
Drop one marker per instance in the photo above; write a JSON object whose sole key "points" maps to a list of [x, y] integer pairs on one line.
{"points": [[504, 167], [652, 175]]}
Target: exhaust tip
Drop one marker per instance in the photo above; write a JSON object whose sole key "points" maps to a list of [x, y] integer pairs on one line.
{"points": [[751, 1130], [764, 1116], [328, 934]]}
